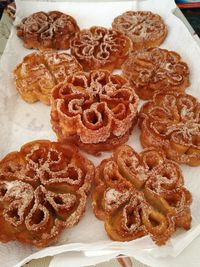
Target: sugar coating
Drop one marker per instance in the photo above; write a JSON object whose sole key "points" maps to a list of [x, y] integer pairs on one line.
{"points": [[43, 190], [141, 194], [94, 107], [172, 122]]}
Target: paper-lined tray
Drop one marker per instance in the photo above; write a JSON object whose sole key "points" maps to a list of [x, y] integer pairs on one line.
{"points": [[21, 122]]}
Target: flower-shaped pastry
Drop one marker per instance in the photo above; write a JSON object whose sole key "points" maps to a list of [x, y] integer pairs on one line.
{"points": [[43, 190], [39, 72], [156, 69], [144, 28], [171, 121], [140, 194], [100, 48], [47, 30], [94, 110]]}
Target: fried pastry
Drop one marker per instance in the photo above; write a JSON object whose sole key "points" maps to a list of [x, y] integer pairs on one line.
{"points": [[100, 48], [95, 110], [144, 28], [156, 69], [43, 190], [39, 72], [52, 30], [141, 194], [171, 121]]}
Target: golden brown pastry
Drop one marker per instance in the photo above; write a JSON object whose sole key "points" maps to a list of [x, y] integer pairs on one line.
{"points": [[171, 121], [39, 72], [47, 30], [100, 48], [141, 194], [95, 110], [144, 28], [156, 69], [43, 190]]}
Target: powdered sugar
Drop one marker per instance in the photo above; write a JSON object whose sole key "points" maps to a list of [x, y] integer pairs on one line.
{"points": [[114, 198], [47, 191], [97, 106]]}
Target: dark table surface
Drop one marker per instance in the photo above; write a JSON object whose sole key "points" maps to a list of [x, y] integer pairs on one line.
{"points": [[193, 16]]}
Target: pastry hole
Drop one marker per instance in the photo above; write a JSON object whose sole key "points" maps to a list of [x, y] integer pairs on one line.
{"points": [[14, 214], [54, 156], [65, 90], [196, 140], [153, 221], [117, 80], [160, 129], [72, 173], [9, 169], [167, 175], [125, 95], [126, 26], [173, 202], [130, 217], [92, 117], [78, 81], [152, 161], [3, 191], [37, 217], [58, 200], [37, 155], [103, 81], [128, 163], [104, 55], [114, 179], [46, 175], [31, 173]]}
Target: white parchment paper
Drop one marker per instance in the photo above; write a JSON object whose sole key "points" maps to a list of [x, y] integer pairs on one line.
{"points": [[21, 122]]}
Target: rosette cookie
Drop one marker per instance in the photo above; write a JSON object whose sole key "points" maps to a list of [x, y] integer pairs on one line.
{"points": [[94, 110], [47, 30], [156, 69], [144, 28], [43, 190], [141, 194], [100, 48], [171, 121], [39, 72]]}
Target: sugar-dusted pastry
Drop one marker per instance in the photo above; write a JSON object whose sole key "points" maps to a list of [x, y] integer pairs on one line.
{"points": [[156, 69], [47, 30], [43, 190], [144, 28], [39, 72], [171, 121], [141, 194], [100, 48], [95, 110]]}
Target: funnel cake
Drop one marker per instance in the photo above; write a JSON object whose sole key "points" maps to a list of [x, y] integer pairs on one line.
{"points": [[156, 69], [141, 194], [100, 48], [47, 30], [171, 121], [95, 110], [39, 72], [144, 28], [43, 190]]}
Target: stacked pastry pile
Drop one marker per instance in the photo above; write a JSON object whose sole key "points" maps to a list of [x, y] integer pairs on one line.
{"points": [[44, 187], [95, 110]]}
